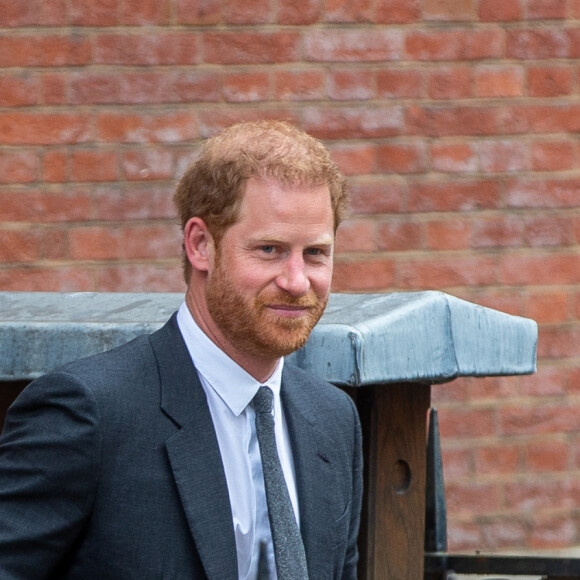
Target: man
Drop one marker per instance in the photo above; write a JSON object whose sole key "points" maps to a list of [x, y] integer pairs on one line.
{"points": [[149, 461]]}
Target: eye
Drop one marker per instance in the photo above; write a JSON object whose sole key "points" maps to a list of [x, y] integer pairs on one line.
{"points": [[267, 249]]}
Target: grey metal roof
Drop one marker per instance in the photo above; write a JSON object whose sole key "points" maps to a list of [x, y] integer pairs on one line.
{"points": [[362, 338]]}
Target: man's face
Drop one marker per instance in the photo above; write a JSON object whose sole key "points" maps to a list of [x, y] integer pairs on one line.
{"points": [[271, 275]]}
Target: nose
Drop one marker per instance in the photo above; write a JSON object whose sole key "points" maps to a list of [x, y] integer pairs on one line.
{"points": [[293, 278]]}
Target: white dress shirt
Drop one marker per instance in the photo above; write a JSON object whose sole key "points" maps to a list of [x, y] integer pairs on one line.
{"points": [[229, 390]]}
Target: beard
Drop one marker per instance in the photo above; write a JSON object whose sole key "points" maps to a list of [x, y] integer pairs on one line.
{"points": [[251, 326]]}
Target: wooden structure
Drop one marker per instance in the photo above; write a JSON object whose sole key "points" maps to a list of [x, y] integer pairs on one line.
{"points": [[386, 350]]}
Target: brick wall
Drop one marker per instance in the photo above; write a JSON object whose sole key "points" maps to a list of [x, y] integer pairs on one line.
{"points": [[457, 121]]}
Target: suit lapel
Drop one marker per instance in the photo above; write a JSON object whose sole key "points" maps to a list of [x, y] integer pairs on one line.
{"points": [[316, 475], [194, 455]]}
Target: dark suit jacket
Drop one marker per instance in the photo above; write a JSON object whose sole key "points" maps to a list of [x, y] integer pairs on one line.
{"points": [[110, 470]]}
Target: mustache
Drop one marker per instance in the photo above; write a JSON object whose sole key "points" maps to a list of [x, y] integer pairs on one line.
{"points": [[309, 300]]}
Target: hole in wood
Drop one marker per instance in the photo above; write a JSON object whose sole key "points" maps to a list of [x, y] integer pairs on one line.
{"points": [[401, 476]]}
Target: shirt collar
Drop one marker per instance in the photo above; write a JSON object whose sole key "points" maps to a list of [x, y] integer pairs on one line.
{"points": [[229, 380]]}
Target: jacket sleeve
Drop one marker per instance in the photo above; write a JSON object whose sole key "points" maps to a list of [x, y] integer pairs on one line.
{"points": [[49, 466], [352, 555]]}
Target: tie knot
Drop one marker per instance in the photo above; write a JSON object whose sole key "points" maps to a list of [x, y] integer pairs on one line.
{"points": [[263, 400]]}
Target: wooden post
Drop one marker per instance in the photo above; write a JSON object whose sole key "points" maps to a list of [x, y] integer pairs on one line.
{"points": [[392, 534]]}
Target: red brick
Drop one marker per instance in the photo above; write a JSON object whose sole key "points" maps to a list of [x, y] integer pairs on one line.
{"points": [[452, 234], [150, 242], [351, 84], [504, 532], [540, 193], [353, 123], [40, 206], [94, 13], [397, 11], [448, 10], [533, 420], [440, 273], [399, 83], [145, 87], [247, 87], [54, 244], [453, 195], [15, 13], [200, 12], [53, 279], [499, 81], [465, 422], [147, 164], [552, 155], [548, 307], [147, 128], [116, 203], [356, 235], [463, 535], [376, 196], [19, 13], [546, 268], [545, 10], [54, 88], [194, 86], [19, 166], [540, 494], [559, 342], [547, 381], [55, 166], [454, 45], [213, 120], [19, 246], [576, 8], [299, 12], [44, 50], [44, 128], [474, 498], [244, 47], [450, 83], [355, 158], [128, 278], [457, 464], [549, 81], [95, 243], [547, 456], [504, 156], [340, 11], [94, 166], [452, 120], [299, 85], [497, 460], [454, 157], [398, 235], [94, 88], [247, 12], [402, 157], [161, 48], [18, 90], [363, 275], [499, 10], [548, 230], [537, 43], [352, 45], [142, 12], [559, 531]]}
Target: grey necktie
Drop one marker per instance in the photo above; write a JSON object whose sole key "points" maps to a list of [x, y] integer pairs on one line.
{"points": [[288, 546]]}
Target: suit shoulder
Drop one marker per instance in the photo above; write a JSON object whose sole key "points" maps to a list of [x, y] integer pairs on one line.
{"points": [[315, 387]]}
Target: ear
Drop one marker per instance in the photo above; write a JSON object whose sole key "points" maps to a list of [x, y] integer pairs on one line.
{"points": [[198, 244]]}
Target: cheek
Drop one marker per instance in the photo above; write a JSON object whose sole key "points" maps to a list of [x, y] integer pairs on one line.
{"points": [[321, 280]]}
